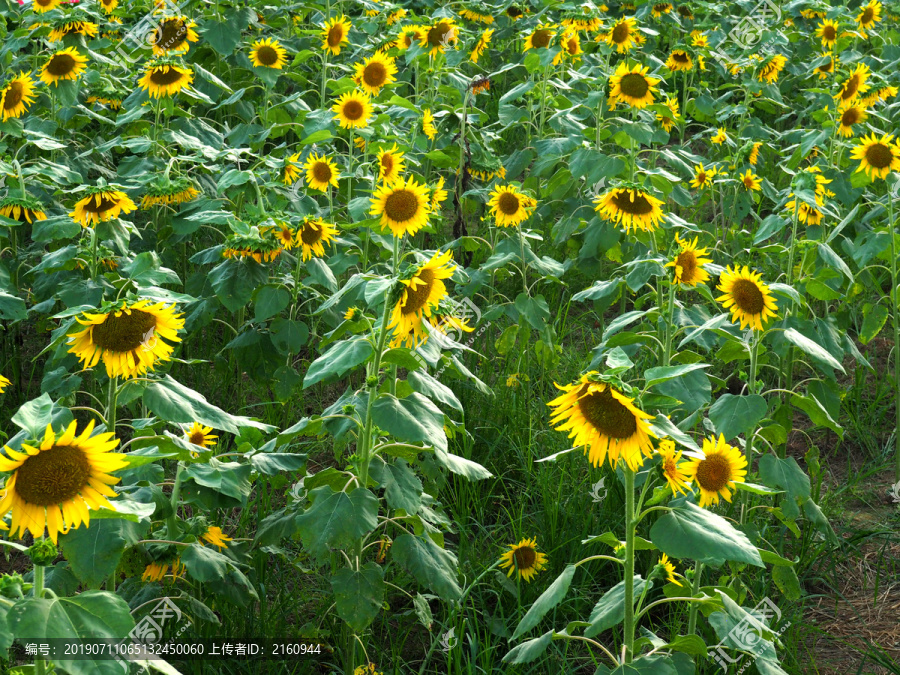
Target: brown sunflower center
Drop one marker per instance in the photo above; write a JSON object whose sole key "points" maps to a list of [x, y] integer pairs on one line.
{"points": [[387, 164], [850, 117], [634, 85], [353, 110], [44, 3], [418, 296], [124, 333], [165, 76], [714, 473], [851, 86], [171, 34], [440, 33], [401, 205], [60, 65], [267, 55], [54, 476], [748, 297], [867, 15], [198, 438], [375, 74], [13, 95], [105, 204], [540, 38], [670, 468], [879, 155], [525, 557], [681, 57], [829, 33], [825, 67], [508, 203], [608, 415], [335, 35], [572, 45], [701, 177], [310, 234], [662, 8], [621, 32], [321, 172], [687, 261], [514, 12], [685, 11], [638, 206]]}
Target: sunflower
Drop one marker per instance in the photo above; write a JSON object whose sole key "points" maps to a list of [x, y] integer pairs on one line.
{"points": [[879, 96], [661, 8], [472, 15], [216, 537], [770, 69], [312, 235], [669, 568], [854, 85], [284, 234], [669, 465], [375, 72], [665, 121], [748, 297], [699, 39], [806, 214], [630, 208], [353, 109], [292, 169], [869, 16], [320, 172], [480, 84], [524, 559], [390, 164], [604, 421], [754, 153], [102, 204], [623, 35], [394, 17], [353, 314], [64, 64], [679, 59], [86, 28], [428, 124], [268, 53], [129, 338], [165, 79], [509, 206], [24, 209], [828, 33], [717, 472], [108, 5], [54, 485], [877, 157], [404, 207], [686, 12], [422, 292], [4, 383], [439, 36], [689, 264], [540, 37], [720, 136], [169, 192], [156, 571], [438, 195], [334, 34], [16, 96], [173, 36], [261, 249], [410, 35], [571, 47], [514, 12], [200, 435], [632, 85], [481, 45], [41, 6], [703, 177], [827, 68], [854, 114], [750, 180]]}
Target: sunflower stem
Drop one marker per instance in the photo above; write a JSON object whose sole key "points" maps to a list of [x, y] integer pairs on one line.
{"points": [[524, 262], [895, 310], [670, 314], [695, 588], [350, 169], [629, 564], [112, 395], [172, 520], [38, 591]]}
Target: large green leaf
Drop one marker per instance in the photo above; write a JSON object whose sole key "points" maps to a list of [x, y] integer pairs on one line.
{"points": [[812, 348], [337, 518], [358, 594], [414, 418], [549, 599], [35, 415], [402, 488], [94, 551], [529, 650], [235, 280], [430, 565], [340, 359], [228, 478], [787, 475], [207, 565], [610, 609], [733, 415]]}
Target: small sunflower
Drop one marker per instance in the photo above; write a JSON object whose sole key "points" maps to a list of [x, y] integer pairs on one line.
{"points": [[604, 421], [216, 537], [108, 5], [661, 8], [64, 64], [292, 169], [334, 34], [827, 31], [422, 293], [631, 208], [439, 36], [200, 435], [320, 172], [749, 298], [41, 6], [720, 136], [472, 15], [483, 41], [403, 207], [169, 192], [877, 157], [540, 37], [4, 383], [754, 153], [353, 110], [55, 484], [869, 16], [173, 36], [509, 206], [428, 124], [689, 264], [165, 79], [850, 117], [157, 571], [669, 567], [854, 85], [24, 209], [16, 96], [390, 164], [102, 204], [268, 53], [312, 236], [410, 35], [623, 35], [86, 28], [678, 60], [826, 69], [665, 121], [678, 482], [570, 45], [770, 70], [699, 39], [750, 181], [130, 339], [717, 472], [632, 85], [514, 12], [703, 177], [438, 195], [375, 72], [524, 559]]}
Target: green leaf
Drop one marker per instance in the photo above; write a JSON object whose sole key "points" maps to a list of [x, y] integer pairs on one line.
{"points": [[529, 650], [402, 488], [812, 348], [787, 475], [733, 415], [337, 519], [235, 280], [666, 373], [817, 412], [35, 415], [430, 565], [549, 599], [94, 550], [425, 384], [221, 574], [340, 359], [414, 419], [12, 307], [270, 300], [228, 478], [273, 463], [288, 336], [786, 579], [358, 594], [873, 322], [650, 664], [610, 609]]}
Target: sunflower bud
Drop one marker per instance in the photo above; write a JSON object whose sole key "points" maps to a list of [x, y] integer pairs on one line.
{"points": [[372, 381], [42, 553], [11, 586]]}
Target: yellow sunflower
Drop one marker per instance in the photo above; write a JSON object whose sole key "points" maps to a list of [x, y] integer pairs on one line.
{"points": [[410, 35], [509, 206], [770, 70], [101, 205], [632, 85], [869, 16], [403, 207], [828, 33], [156, 571], [130, 340], [851, 116], [472, 15], [312, 235], [623, 35], [321, 172], [86, 28], [64, 64], [703, 177], [481, 45], [428, 124], [375, 72], [748, 297], [669, 567], [23, 209], [438, 195], [668, 122], [423, 292], [678, 482], [165, 79], [292, 169], [679, 60], [661, 8], [630, 208], [720, 136], [717, 472], [750, 181], [570, 44], [268, 53], [334, 34], [689, 264], [173, 36], [877, 157], [390, 164], [353, 110], [540, 37], [41, 6], [854, 85], [754, 153], [604, 421], [439, 36], [109, 5], [200, 435], [524, 559], [54, 485], [216, 537], [16, 96], [4, 383]]}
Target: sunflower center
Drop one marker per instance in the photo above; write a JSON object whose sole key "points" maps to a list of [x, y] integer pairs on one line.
{"points": [[680, 57], [321, 172], [850, 117], [198, 438], [61, 64], [714, 473], [748, 297], [685, 11], [53, 476], [638, 206], [438, 35], [417, 297], [401, 205], [687, 261], [167, 76], [829, 33], [572, 46], [374, 74], [124, 333], [701, 177], [310, 234], [508, 203], [608, 415], [353, 110], [171, 34], [851, 86], [13, 95], [867, 15], [514, 12], [634, 85], [541, 38], [879, 155], [44, 3], [670, 468], [266, 55], [525, 557], [335, 35], [387, 164], [825, 67], [620, 33]]}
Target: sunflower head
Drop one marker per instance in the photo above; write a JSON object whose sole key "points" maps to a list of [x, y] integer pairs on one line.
{"points": [[689, 264], [321, 172], [16, 95], [631, 208], [421, 290], [877, 157], [64, 64], [353, 110], [509, 206], [749, 299], [167, 192], [268, 53], [623, 35], [24, 209], [173, 35], [390, 164], [313, 235], [165, 77], [102, 203], [375, 72], [199, 435], [541, 37], [632, 85], [440, 35], [716, 473], [404, 207], [669, 457], [523, 559], [666, 568], [335, 34]]}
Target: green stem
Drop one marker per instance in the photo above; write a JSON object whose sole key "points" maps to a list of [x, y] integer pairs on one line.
{"points": [[112, 395], [172, 520], [629, 564], [524, 262], [38, 591], [669, 327], [895, 306], [695, 588]]}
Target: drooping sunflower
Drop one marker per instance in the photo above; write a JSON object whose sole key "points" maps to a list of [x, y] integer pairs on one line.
{"points": [[750, 181], [806, 214], [86, 28], [632, 85], [173, 35], [669, 568], [422, 293], [163, 78], [480, 84], [770, 70], [440, 35], [717, 472], [320, 172], [292, 169], [540, 37], [677, 481], [869, 16], [473, 15], [524, 559], [853, 115], [335, 33], [826, 69], [64, 64], [312, 236], [721, 136], [879, 96], [483, 41], [428, 124], [623, 35], [375, 72], [268, 53], [167, 192], [390, 164], [754, 153], [16, 96], [54, 485], [703, 177], [509, 206], [604, 421], [41, 6], [679, 59], [130, 338], [854, 85], [515, 12], [686, 12], [828, 33], [353, 110], [661, 8], [689, 264], [24, 209], [665, 121], [410, 35], [254, 245], [747, 296], [403, 206], [4, 383], [216, 537], [157, 571], [631, 208], [102, 203], [200, 435], [877, 157], [570, 44]]}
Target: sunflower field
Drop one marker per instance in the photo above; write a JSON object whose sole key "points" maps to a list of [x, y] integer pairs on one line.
{"points": [[415, 337]]}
